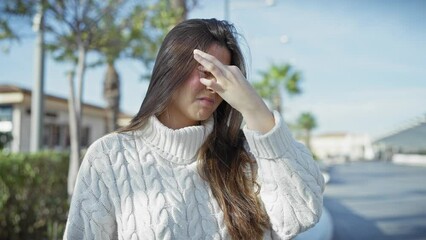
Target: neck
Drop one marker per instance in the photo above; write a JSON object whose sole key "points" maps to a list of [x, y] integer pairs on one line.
{"points": [[175, 122]]}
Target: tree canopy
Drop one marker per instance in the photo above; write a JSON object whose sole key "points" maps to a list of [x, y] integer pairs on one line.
{"points": [[276, 78]]}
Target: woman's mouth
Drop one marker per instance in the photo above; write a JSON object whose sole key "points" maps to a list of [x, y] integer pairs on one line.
{"points": [[206, 101]]}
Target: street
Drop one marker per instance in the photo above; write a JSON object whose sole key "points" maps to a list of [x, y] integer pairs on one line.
{"points": [[377, 200]]}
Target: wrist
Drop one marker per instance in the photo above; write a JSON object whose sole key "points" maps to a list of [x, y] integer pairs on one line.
{"points": [[260, 119]]}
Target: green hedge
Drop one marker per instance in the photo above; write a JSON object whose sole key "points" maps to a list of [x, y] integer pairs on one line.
{"points": [[33, 195]]}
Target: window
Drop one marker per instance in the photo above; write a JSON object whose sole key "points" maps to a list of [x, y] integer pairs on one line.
{"points": [[6, 126], [52, 136], [57, 136], [85, 136]]}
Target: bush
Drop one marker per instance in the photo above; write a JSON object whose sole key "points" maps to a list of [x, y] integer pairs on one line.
{"points": [[33, 195], [5, 139]]}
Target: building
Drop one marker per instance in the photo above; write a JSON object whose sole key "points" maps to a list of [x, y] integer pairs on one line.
{"points": [[408, 139], [342, 147], [15, 120]]}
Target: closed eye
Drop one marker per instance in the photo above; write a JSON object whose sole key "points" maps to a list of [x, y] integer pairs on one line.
{"points": [[205, 74]]}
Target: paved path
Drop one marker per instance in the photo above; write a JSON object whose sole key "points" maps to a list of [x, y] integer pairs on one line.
{"points": [[377, 200]]}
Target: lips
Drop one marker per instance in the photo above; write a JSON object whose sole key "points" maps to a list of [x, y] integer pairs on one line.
{"points": [[206, 101]]}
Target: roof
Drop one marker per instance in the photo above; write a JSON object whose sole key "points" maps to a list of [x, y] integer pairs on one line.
{"points": [[15, 89], [11, 88], [411, 136]]}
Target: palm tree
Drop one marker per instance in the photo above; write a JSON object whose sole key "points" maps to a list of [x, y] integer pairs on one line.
{"points": [[14, 14], [307, 122], [143, 31], [274, 79], [112, 96]]}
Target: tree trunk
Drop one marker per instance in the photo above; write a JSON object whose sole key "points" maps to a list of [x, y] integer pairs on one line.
{"points": [[74, 162], [75, 111], [112, 97], [81, 69], [308, 139], [276, 102]]}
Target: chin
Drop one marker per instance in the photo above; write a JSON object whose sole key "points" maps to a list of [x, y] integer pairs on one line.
{"points": [[203, 116]]}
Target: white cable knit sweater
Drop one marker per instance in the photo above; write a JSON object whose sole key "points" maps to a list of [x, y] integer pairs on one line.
{"points": [[145, 185]]}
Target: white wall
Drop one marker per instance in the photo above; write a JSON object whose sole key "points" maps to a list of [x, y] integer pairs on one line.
{"points": [[409, 159], [92, 118], [343, 147], [97, 126], [16, 128]]}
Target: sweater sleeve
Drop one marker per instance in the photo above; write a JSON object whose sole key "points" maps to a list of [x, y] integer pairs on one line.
{"points": [[91, 214], [291, 182]]}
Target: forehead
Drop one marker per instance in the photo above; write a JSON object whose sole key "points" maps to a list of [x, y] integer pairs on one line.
{"points": [[221, 53]]}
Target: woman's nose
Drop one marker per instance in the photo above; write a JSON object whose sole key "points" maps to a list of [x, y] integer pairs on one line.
{"points": [[210, 90]]}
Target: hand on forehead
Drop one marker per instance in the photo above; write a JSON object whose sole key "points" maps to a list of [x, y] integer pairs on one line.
{"points": [[208, 62]]}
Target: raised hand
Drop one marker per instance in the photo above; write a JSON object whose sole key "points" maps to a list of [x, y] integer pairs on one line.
{"points": [[233, 87]]}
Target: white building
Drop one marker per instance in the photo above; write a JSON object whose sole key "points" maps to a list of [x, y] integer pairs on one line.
{"points": [[408, 139], [342, 147], [15, 118]]}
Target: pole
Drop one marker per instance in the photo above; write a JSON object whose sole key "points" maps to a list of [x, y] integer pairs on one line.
{"points": [[226, 10], [37, 104]]}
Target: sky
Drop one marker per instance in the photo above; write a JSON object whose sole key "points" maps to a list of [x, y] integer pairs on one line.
{"points": [[363, 62]]}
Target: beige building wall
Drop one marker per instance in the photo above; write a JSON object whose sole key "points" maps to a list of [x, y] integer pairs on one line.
{"points": [[342, 147]]}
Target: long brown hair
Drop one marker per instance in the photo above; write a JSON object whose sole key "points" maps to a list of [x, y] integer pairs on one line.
{"points": [[223, 161]]}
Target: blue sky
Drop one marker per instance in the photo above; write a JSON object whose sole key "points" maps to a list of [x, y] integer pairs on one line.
{"points": [[363, 62]]}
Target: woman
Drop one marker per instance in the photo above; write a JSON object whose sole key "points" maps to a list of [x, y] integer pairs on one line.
{"points": [[183, 168]]}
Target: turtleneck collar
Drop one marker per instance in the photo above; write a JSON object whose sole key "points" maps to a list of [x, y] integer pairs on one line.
{"points": [[179, 146]]}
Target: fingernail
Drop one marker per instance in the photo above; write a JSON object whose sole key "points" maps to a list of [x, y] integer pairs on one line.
{"points": [[197, 51]]}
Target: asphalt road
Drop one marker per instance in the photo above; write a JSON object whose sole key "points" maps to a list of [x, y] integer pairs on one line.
{"points": [[377, 200]]}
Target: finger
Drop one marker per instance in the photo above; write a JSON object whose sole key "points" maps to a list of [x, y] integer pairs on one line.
{"points": [[211, 63], [211, 84], [209, 66], [206, 56], [225, 70]]}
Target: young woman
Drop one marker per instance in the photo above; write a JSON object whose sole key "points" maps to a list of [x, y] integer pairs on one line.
{"points": [[184, 169]]}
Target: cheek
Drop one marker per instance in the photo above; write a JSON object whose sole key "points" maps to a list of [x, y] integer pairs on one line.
{"points": [[194, 84], [218, 101]]}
